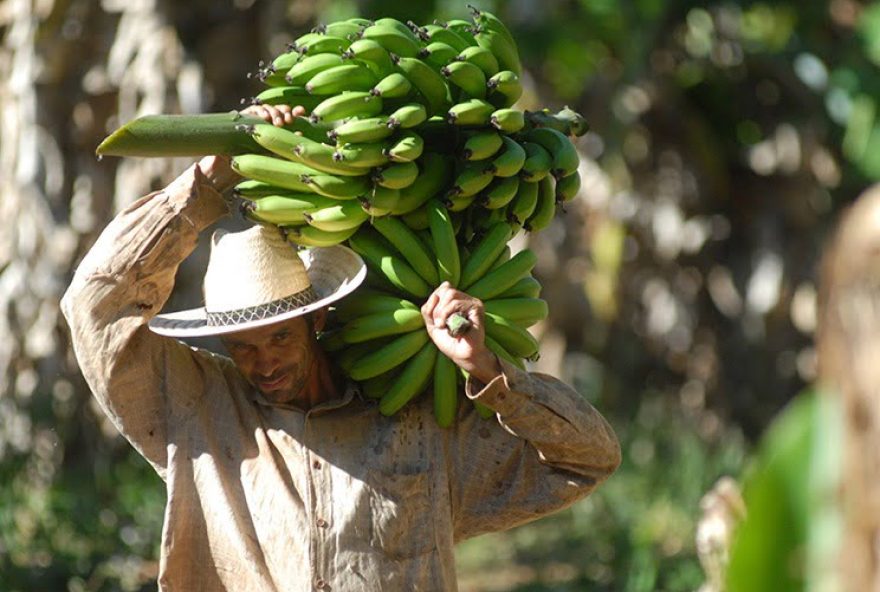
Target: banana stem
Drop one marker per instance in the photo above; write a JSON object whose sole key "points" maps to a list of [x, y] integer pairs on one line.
{"points": [[182, 135], [457, 324]]}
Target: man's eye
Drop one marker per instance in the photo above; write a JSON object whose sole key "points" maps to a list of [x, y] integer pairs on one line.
{"points": [[282, 336]]}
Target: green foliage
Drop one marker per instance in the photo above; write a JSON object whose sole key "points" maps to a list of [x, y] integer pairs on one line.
{"points": [[790, 537]]}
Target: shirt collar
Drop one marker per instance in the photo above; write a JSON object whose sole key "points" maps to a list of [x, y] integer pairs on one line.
{"points": [[352, 390]]}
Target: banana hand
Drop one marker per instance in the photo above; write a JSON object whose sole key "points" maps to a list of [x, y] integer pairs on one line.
{"points": [[469, 350]]}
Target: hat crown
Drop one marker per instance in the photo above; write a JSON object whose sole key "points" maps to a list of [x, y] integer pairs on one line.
{"points": [[251, 268]]}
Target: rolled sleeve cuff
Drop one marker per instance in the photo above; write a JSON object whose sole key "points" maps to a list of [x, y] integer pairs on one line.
{"points": [[503, 392]]}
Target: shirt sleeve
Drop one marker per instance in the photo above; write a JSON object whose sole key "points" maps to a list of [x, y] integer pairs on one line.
{"points": [[545, 449], [122, 282]]}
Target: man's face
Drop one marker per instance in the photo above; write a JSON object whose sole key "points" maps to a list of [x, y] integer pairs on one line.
{"points": [[277, 359]]}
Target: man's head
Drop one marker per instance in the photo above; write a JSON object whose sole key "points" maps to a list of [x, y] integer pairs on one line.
{"points": [[278, 359]]}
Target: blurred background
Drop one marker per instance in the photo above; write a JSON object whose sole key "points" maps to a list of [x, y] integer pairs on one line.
{"points": [[727, 138]]}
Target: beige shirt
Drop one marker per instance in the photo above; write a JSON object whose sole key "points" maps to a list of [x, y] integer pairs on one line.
{"points": [[264, 497]]}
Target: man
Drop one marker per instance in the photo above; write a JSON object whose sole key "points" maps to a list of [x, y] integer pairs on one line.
{"points": [[279, 475]]}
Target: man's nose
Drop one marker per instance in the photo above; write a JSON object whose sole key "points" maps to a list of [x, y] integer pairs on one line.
{"points": [[266, 364]]}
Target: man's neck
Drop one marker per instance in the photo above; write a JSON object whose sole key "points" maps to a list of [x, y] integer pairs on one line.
{"points": [[322, 385]]}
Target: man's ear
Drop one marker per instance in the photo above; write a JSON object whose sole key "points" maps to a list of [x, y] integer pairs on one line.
{"points": [[319, 319]]}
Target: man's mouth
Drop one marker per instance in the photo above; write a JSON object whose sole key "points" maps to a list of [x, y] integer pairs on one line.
{"points": [[273, 382]]}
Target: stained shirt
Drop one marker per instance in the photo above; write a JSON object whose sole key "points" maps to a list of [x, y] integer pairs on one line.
{"points": [[267, 497]]}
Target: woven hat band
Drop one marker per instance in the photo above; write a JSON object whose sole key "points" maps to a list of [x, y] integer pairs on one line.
{"points": [[262, 311]]}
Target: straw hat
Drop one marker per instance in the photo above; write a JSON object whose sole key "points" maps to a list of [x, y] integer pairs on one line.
{"points": [[256, 278]]}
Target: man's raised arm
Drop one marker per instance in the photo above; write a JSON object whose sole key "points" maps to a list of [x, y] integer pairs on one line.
{"points": [[122, 282]]}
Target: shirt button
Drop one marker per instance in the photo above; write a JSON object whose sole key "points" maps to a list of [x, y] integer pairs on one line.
{"points": [[320, 584], [316, 465], [321, 523]]}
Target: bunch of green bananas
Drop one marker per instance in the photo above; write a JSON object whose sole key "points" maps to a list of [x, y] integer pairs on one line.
{"points": [[414, 156]]}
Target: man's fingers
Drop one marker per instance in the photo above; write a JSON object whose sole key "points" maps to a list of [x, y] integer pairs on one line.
{"points": [[428, 309]]}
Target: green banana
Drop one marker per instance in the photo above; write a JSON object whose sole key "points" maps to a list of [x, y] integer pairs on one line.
{"points": [[437, 54], [336, 186], [500, 193], [567, 121], [381, 255], [512, 337], [473, 178], [520, 311], [365, 302], [393, 86], [274, 171], [250, 189], [301, 72], [565, 156], [323, 44], [484, 254], [503, 258], [380, 201], [494, 36], [346, 104], [481, 144], [407, 147], [509, 162], [363, 155], [507, 120], [389, 356], [504, 88], [499, 351], [434, 169], [546, 208], [382, 324], [279, 67], [285, 210], [470, 112], [481, 58], [370, 129], [408, 116], [465, 30], [351, 353], [416, 219], [469, 78], [410, 246], [430, 84], [459, 203], [445, 246], [374, 388], [346, 77], [439, 34], [527, 287], [288, 144], [397, 175], [309, 236], [568, 187], [373, 55], [287, 95], [498, 280], [445, 391], [538, 162], [344, 29], [416, 375], [394, 39], [340, 216], [524, 203]]}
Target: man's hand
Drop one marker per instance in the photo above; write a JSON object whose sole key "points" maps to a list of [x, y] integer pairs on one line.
{"points": [[217, 167], [468, 351]]}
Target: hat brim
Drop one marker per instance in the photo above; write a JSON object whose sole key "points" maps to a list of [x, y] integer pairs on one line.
{"points": [[333, 271]]}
